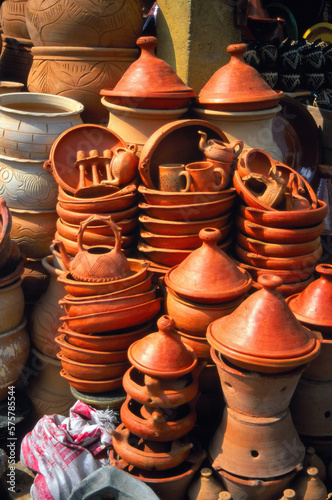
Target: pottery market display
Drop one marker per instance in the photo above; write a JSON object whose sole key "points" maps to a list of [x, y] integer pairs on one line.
{"points": [[159, 411]]}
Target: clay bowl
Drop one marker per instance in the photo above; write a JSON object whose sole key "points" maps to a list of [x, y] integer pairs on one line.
{"points": [[298, 262], [72, 217], [195, 212], [192, 317], [179, 228], [87, 371], [104, 305], [88, 356], [165, 198], [96, 232], [170, 257], [287, 275], [279, 235], [138, 273], [114, 341], [275, 249], [114, 320], [92, 386], [286, 219], [71, 247], [96, 205], [181, 242]]}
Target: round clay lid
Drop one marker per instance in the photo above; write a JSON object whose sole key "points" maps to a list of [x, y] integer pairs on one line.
{"points": [[162, 354], [237, 86], [313, 304], [263, 326], [208, 275], [149, 82]]}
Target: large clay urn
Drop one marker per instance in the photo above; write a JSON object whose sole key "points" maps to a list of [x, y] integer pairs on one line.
{"points": [[13, 20], [88, 23]]}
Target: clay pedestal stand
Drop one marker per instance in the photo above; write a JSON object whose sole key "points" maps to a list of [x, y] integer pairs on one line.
{"points": [[259, 362], [152, 443]]}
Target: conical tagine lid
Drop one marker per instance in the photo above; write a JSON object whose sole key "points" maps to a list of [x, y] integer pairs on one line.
{"points": [[237, 86], [162, 354], [151, 79], [263, 326], [314, 304], [208, 275]]}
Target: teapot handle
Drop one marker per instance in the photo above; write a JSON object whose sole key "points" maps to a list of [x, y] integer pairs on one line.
{"points": [[102, 218], [237, 148]]}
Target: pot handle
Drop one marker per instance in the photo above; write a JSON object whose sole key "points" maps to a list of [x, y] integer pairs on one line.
{"points": [[224, 178], [108, 219], [237, 148], [47, 165]]}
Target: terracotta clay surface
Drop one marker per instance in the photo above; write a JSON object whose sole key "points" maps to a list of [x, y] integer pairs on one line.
{"points": [[179, 228], [92, 386], [84, 355], [87, 371]]}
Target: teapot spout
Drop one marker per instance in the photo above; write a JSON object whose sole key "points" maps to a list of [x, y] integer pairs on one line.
{"points": [[63, 252], [202, 142]]}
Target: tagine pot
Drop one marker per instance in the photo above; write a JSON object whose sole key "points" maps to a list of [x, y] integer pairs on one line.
{"points": [[84, 23]]}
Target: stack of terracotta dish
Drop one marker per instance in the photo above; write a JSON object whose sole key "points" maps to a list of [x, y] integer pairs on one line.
{"points": [[171, 217], [110, 300], [279, 223], [152, 442], [94, 170], [260, 350], [311, 405]]}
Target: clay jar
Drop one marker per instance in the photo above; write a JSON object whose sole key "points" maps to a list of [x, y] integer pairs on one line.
{"points": [[202, 177], [84, 22]]}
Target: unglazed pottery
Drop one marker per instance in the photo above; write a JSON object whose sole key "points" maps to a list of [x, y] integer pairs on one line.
{"points": [[167, 257], [205, 486], [313, 460], [16, 59], [254, 446], [6, 244], [309, 486], [162, 88], [30, 123], [33, 231], [112, 341], [11, 298], [13, 18], [92, 386], [185, 242], [96, 234], [26, 185], [218, 150], [276, 339], [72, 249], [172, 178], [263, 261], [123, 166], [275, 249], [84, 23], [199, 344], [228, 90], [156, 197], [87, 371], [202, 177], [118, 199], [176, 360], [10, 87], [72, 217], [178, 228], [15, 348], [138, 270], [91, 69], [208, 275], [84, 355]]}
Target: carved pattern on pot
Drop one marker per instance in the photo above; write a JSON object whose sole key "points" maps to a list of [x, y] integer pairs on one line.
{"points": [[13, 20]]}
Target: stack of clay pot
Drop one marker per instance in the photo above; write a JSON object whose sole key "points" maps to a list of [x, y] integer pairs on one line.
{"points": [[14, 339], [279, 222], [152, 442], [81, 47], [260, 351], [311, 405], [109, 304], [186, 170], [95, 171], [149, 95]]}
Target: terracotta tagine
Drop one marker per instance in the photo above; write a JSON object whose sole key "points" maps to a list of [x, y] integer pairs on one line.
{"points": [[264, 333], [237, 86], [149, 83], [208, 275], [97, 264]]}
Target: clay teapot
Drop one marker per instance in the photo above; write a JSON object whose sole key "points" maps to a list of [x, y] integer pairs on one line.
{"points": [[124, 166], [216, 150], [99, 263]]}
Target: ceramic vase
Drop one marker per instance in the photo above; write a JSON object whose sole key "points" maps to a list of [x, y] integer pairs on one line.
{"points": [[84, 22], [79, 73], [13, 20], [45, 318], [205, 486]]}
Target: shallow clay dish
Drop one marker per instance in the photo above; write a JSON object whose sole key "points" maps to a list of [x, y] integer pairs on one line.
{"points": [[274, 249], [87, 371], [138, 273], [115, 320], [279, 235], [72, 217], [189, 212], [112, 341], [165, 198], [92, 386], [285, 219], [84, 355], [178, 228], [127, 199], [175, 142], [181, 242], [71, 247], [95, 235], [287, 275]]}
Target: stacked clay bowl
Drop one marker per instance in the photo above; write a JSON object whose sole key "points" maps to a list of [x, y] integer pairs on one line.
{"points": [[171, 220], [206, 286]]}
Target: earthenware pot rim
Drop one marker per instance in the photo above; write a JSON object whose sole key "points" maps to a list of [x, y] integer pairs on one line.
{"points": [[15, 330], [17, 97], [61, 356], [66, 375], [61, 340], [25, 161]]}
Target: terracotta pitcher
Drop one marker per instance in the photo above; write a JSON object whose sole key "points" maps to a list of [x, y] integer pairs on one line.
{"points": [[124, 166], [214, 149], [99, 263]]}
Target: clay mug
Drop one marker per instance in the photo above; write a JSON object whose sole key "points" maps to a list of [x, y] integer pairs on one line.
{"points": [[204, 176], [173, 177]]}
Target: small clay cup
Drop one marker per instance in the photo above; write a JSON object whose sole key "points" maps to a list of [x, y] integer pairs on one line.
{"points": [[172, 178], [203, 176]]}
